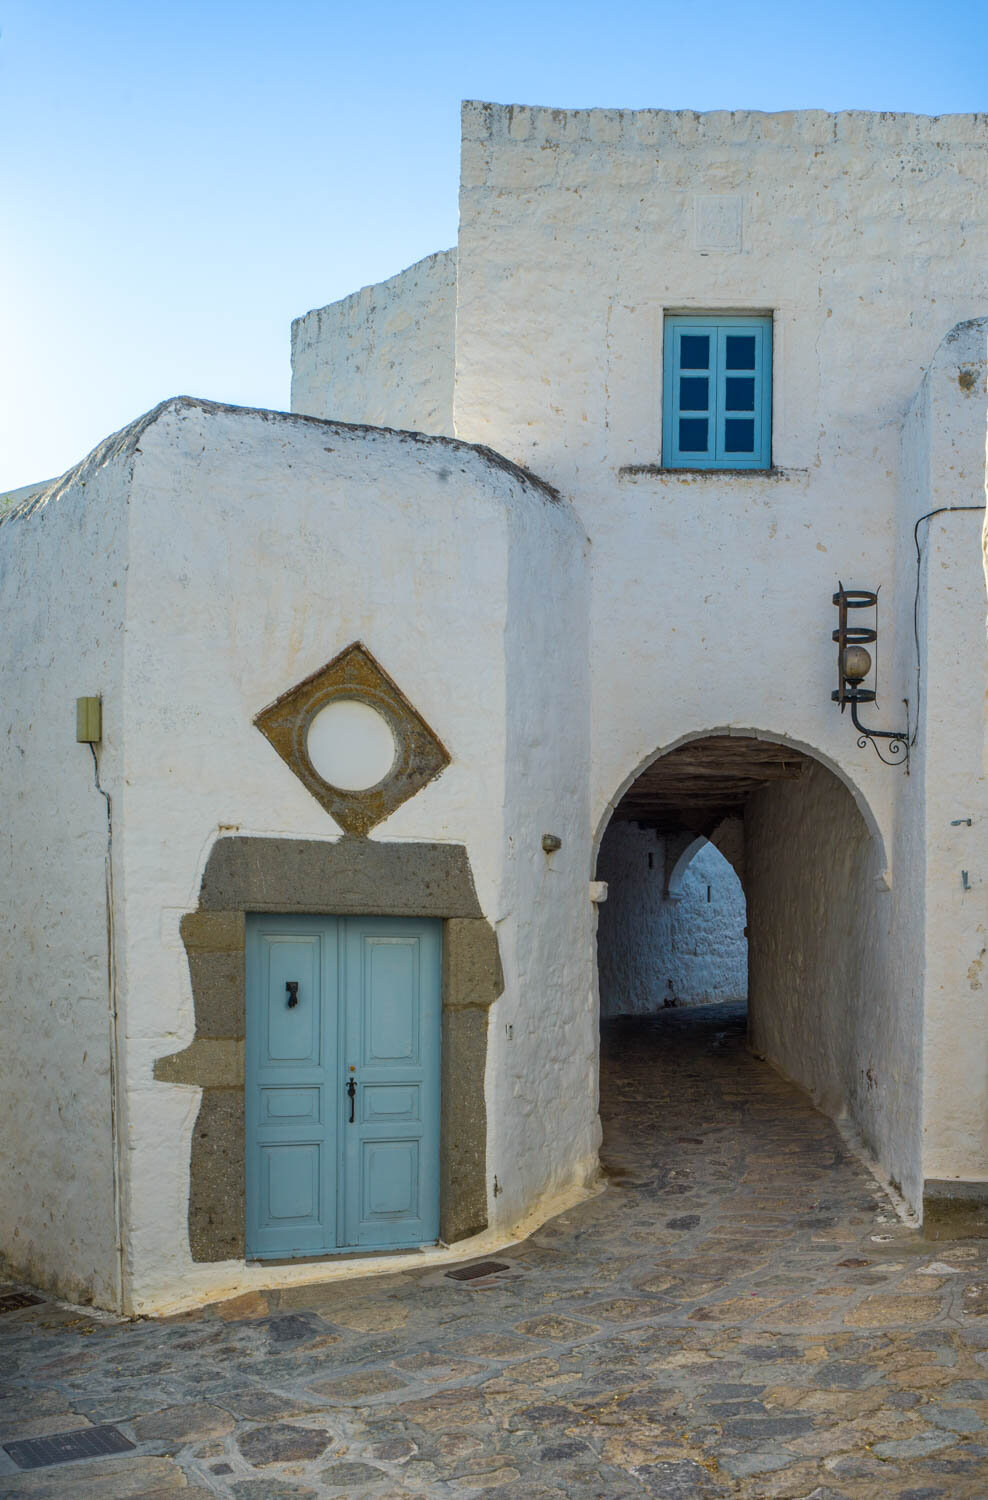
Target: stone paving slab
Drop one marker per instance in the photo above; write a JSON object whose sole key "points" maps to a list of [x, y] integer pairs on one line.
{"points": [[740, 1314]]}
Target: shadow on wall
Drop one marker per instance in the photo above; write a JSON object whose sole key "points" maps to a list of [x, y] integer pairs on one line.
{"points": [[656, 949]]}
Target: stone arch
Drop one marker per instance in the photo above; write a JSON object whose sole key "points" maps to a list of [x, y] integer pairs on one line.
{"points": [[771, 736], [826, 1003], [677, 874]]}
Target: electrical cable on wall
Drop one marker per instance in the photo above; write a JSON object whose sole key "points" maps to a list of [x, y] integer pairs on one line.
{"points": [[114, 1039]]}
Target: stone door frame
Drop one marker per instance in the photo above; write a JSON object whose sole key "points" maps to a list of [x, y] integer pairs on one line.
{"points": [[348, 877]]}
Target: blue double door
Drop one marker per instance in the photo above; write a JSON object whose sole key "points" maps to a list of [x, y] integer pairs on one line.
{"points": [[342, 1084]]}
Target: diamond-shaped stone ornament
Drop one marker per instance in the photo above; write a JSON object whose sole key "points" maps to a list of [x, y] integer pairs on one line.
{"points": [[356, 677]]}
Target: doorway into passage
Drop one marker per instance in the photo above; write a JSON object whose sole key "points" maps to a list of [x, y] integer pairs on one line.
{"points": [[673, 931], [747, 897]]}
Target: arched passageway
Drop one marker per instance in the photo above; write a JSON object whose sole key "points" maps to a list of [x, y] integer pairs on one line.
{"points": [[741, 868], [672, 932]]}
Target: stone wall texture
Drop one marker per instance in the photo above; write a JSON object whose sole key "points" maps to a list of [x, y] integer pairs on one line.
{"points": [[62, 588], [384, 355]]}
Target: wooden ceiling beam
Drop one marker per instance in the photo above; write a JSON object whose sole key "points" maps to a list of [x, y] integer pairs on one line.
{"points": [[701, 783]]}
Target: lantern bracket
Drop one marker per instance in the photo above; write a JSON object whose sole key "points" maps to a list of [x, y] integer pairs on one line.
{"points": [[853, 668]]}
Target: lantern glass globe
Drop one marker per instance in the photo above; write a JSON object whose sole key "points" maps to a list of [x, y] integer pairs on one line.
{"points": [[857, 663]]}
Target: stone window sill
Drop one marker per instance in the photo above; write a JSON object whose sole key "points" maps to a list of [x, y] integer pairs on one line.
{"points": [[656, 471]]}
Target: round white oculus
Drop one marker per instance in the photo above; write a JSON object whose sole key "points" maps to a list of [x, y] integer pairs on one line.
{"points": [[351, 745]]}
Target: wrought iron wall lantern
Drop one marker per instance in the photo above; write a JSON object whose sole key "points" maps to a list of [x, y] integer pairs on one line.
{"points": [[854, 662]]}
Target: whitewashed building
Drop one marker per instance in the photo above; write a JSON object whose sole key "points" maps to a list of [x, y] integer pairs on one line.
{"points": [[299, 950]]}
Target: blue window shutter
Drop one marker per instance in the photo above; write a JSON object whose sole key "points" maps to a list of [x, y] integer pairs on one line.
{"points": [[690, 392], [717, 399]]}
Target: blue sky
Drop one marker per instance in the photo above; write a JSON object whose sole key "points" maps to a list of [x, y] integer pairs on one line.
{"points": [[180, 181]]}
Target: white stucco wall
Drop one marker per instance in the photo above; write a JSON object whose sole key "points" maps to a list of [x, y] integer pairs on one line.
{"points": [[542, 1097], [711, 591], [12, 499], [260, 545], [653, 950], [577, 232], [383, 355], [62, 584], [944, 465], [821, 1004]]}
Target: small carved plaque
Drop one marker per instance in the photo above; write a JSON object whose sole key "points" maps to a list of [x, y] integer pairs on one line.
{"points": [[355, 676], [717, 221]]}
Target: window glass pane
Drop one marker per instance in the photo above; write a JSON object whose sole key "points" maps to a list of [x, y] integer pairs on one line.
{"points": [[694, 352], [740, 353], [740, 394], [693, 393], [693, 434], [739, 435]]}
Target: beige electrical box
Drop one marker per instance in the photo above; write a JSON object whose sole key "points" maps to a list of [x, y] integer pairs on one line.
{"points": [[88, 720]]}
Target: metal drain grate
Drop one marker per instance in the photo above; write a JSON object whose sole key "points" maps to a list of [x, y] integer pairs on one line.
{"points": [[482, 1268], [11, 1301], [64, 1447]]}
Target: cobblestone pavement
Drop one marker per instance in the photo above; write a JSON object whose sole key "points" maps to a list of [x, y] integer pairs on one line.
{"points": [[739, 1314]]}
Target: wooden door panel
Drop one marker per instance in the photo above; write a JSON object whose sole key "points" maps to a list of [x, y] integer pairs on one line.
{"points": [[391, 1183], [302, 1106], [290, 1179], [391, 1020], [391, 1149], [389, 1103], [292, 1033], [290, 1080]]}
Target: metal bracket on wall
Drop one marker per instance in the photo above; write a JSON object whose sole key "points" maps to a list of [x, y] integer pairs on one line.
{"points": [[898, 740]]}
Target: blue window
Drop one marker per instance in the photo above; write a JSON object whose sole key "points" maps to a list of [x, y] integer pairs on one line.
{"points": [[717, 404]]}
